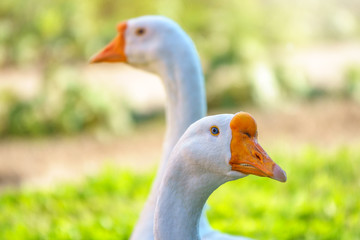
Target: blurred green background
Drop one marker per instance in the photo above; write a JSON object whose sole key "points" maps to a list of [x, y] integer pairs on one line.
{"points": [[249, 42], [295, 65]]}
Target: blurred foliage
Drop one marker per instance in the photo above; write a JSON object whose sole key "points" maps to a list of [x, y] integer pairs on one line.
{"points": [[65, 106], [352, 84], [225, 32], [320, 201], [229, 31], [239, 43]]}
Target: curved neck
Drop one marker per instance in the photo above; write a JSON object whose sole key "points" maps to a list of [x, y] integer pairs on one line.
{"points": [[183, 81], [182, 196], [186, 100]]}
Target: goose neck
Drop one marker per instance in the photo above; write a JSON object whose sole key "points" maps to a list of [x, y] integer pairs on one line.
{"points": [[182, 196], [186, 98]]}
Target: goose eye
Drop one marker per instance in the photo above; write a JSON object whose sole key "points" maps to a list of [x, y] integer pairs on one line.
{"points": [[247, 134], [214, 130], [140, 31]]}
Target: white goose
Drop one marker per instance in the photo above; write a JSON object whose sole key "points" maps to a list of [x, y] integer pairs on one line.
{"points": [[212, 151], [157, 44]]}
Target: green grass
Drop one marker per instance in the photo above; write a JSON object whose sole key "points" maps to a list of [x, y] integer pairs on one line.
{"points": [[321, 200]]}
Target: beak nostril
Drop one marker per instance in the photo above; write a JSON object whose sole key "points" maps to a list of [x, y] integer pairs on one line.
{"points": [[258, 156]]}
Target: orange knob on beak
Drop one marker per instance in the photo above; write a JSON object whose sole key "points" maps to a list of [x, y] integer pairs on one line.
{"points": [[247, 156], [115, 50]]}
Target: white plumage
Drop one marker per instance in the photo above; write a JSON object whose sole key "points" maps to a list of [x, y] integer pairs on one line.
{"points": [[157, 44], [202, 161]]}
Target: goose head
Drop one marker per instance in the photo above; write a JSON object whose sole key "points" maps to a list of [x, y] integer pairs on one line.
{"points": [[226, 145], [146, 42]]}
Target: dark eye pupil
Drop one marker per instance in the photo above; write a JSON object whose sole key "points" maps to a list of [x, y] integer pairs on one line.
{"points": [[140, 31], [215, 130]]}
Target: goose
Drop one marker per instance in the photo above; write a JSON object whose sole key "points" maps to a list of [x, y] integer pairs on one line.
{"points": [[159, 45], [213, 150]]}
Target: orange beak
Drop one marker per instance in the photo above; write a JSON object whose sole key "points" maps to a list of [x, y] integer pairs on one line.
{"points": [[247, 156], [115, 50]]}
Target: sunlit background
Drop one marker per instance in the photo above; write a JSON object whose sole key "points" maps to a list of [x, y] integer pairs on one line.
{"points": [[79, 143]]}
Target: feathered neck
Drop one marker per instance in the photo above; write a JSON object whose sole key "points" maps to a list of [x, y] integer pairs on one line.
{"points": [[182, 195], [183, 81], [186, 100]]}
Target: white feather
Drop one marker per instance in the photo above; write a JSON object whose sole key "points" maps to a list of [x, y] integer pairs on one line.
{"points": [[165, 49], [197, 166]]}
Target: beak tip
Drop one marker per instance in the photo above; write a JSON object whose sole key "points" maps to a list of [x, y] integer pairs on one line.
{"points": [[279, 174], [94, 59]]}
